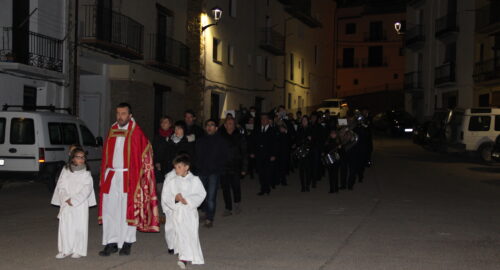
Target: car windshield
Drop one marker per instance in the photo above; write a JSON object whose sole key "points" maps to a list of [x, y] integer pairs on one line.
{"points": [[330, 104]]}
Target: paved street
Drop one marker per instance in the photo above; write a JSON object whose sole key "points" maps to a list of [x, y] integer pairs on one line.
{"points": [[416, 210]]}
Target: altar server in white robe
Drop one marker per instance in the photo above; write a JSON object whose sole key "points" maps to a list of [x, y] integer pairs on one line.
{"points": [[74, 194], [169, 223], [183, 194]]}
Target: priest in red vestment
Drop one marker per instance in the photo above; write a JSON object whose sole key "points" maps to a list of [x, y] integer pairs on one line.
{"points": [[127, 197]]}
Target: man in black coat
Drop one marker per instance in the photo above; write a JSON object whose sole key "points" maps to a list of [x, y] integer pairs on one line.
{"points": [[263, 149], [235, 166], [211, 155], [193, 131]]}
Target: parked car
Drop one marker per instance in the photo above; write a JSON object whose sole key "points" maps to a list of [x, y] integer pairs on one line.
{"points": [[336, 106], [34, 144], [495, 154], [394, 123], [474, 130], [431, 134]]}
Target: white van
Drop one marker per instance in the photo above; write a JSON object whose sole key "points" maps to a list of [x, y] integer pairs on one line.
{"points": [[474, 130], [336, 106], [34, 145]]}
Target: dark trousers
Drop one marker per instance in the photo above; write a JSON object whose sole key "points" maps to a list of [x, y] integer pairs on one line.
{"points": [[251, 166], [231, 182], [333, 174], [355, 168], [265, 169], [344, 171], [305, 172], [211, 184], [316, 165]]}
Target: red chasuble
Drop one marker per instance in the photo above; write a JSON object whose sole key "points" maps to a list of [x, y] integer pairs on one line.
{"points": [[138, 182]]}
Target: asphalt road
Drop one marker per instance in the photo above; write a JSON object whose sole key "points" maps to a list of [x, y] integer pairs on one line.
{"points": [[415, 210]]}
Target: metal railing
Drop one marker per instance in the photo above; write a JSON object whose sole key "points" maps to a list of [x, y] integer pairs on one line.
{"points": [[413, 80], [374, 62], [272, 41], [355, 63], [487, 16], [43, 51], [487, 70], [445, 73], [447, 23], [376, 36], [414, 35], [168, 53], [112, 28]]}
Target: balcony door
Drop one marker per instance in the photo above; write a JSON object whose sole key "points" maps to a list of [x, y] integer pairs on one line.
{"points": [[20, 33], [104, 20], [164, 26]]}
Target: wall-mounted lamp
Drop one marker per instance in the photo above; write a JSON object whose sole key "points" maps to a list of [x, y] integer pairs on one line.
{"points": [[217, 15], [397, 27]]}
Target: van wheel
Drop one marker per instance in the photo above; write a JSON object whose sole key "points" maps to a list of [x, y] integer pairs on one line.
{"points": [[485, 151]]}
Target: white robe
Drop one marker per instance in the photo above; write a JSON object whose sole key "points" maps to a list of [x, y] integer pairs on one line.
{"points": [[74, 220], [169, 223], [115, 228], [186, 241]]}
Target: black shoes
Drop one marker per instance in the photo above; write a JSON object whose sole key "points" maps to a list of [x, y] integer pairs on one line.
{"points": [[109, 249], [125, 251]]}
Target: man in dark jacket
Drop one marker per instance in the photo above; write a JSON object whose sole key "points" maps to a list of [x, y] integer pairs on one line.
{"points": [[263, 149], [211, 155], [193, 131], [235, 166]]}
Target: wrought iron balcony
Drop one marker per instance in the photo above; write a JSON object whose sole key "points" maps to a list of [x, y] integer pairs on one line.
{"points": [[413, 81], [348, 63], [488, 70], [374, 62], [376, 36], [415, 37], [272, 41], [168, 54], [445, 74], [39, 50], [487, 19], [301, 9], [446, 25], [112, 31]]}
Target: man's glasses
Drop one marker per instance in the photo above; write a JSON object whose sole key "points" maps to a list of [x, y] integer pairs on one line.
{"points": [[80, 157]]}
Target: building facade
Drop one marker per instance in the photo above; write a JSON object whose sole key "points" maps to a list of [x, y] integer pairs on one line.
{"points": [[439, 61], [370, 57]]}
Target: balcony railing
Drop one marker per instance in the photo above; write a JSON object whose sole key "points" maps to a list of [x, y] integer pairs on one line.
{"points": [[272, 41], [168, 54], [487, 70], [354, 63], [487, 19], [376, 36], [413, 81], [446, 25], [415, 36], [42, 51], [374, 62], [445, 74], [301, 9], [112, 31]]}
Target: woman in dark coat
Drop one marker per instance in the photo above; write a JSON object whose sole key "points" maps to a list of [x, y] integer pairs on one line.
{"points": [[177, 144], [303, 142], [160, 142]]}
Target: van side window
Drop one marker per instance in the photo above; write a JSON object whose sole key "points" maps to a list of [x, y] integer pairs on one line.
{"points": [[22, 131], [63, 133], [497, 124], [2, 130], [87, 136], [479, 123]]}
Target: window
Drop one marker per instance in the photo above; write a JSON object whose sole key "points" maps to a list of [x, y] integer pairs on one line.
{"points": [[289, 101], [350, 28], [302, 71], [230, 55], [376, 31], [450, 53], [267, 68], [479, 123], [375, 56], [29, 98], [484, 100], [497, 123], [217, 51], [2, 130], [315, 54], [22, 131], [88, 138], [55, 135], [63, 133], [232, 8], [348, 57], [355, 81], [291, 67]]}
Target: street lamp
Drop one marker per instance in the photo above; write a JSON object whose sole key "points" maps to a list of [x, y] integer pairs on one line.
{"points": [[397, 27], [217, 15]]}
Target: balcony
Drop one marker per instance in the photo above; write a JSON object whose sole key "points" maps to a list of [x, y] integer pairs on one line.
{"points": [[413, 82], [113, 32], [31, 50], [487, 72], [487, 19], [301, 9], [168, 54], [415, 37], [445, 74], [446, 26], [351, 63], [375, 36], [272, 41], [374, 62]]}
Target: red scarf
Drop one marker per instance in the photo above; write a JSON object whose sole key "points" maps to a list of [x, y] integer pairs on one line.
{"points": [[165, 133]]}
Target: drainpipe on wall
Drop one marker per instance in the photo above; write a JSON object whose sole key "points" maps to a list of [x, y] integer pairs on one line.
{"points": [[76, 92]]}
